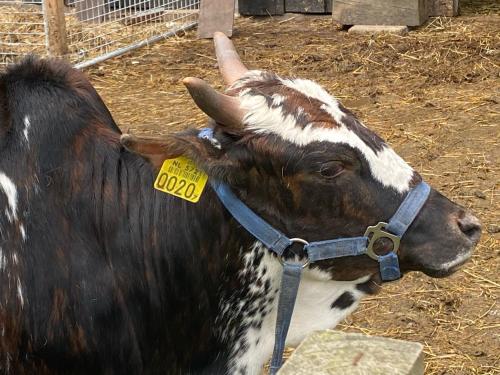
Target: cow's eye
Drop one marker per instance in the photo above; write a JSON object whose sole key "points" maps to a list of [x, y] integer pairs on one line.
{"points": [[331, 169]]}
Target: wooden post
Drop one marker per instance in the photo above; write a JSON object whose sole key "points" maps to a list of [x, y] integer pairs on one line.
{"points": [[380, 12], [215, 15], [55, 28]]}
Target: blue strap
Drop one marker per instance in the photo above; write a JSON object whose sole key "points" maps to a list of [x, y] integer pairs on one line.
{"points": [[288, 293], [272, 238], [389, 267], [330, 249], [409, 209]]}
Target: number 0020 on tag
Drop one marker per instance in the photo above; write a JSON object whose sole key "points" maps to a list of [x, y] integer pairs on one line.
{"points": [[181, 177]]}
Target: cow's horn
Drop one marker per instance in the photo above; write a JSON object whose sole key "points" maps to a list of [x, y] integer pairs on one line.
{"points": [[224, 109], [229, 62]]}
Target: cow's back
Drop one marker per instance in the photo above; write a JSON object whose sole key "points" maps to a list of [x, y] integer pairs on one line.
{"points": [[60, 299]]}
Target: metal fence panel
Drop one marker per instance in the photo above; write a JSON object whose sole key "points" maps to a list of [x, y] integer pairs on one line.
{"points": [[91, 30]]}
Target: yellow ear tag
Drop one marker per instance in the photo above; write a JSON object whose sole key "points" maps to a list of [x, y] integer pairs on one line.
{"points": [[182, 178]]}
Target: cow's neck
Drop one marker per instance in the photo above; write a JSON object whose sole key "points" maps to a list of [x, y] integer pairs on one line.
{"points": [[195, 255], [248, 315]]}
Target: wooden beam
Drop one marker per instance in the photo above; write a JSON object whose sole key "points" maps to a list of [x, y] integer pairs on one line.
{"points": [[215, 15], [380, 12], [55, 27], [447, 8], [261, 7], [305, 6]]}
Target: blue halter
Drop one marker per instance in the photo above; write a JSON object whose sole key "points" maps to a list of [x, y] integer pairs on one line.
{"points": [[277, 242]]}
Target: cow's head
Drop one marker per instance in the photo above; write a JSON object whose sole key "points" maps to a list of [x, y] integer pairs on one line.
{"points": [[308, 166]]}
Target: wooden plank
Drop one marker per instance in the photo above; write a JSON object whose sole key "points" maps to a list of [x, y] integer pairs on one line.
{"points": [[215, 15], [55, 28], [328, 6], [447, 8], [261, 7], [90, 11], [332, 352], [305, 6], [380, 12]]}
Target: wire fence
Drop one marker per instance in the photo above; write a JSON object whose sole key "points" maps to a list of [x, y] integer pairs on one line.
{"points": [[88, 31]]}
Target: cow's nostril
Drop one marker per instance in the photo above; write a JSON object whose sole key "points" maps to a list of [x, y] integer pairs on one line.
{"points": [[470, 226]]}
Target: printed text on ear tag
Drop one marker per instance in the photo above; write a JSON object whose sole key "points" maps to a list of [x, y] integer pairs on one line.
{"points": [[182, 178]]}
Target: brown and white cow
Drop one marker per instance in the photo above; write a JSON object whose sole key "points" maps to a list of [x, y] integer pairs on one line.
{"points": [[100, 273]]}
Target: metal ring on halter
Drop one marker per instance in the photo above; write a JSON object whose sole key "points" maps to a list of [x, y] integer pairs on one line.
{"points": [[376, 233], [303, 242]]}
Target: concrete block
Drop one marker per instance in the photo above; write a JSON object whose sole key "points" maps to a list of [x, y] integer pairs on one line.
{"points": [[378, 29], [332, 352], [380, 12]]}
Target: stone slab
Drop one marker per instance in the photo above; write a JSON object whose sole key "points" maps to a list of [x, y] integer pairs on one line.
{"points": [[378, 29], [332, 352]]}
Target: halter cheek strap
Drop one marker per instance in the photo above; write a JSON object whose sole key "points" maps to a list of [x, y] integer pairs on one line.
{"points": [[277, 242]]}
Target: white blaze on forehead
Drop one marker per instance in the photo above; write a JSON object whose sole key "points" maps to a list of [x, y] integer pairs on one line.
{"points": [[386, 166], [8, 187]]}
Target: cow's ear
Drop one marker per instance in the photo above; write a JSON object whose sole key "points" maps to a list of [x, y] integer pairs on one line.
{"points": [[209, 156], [156, 150]]}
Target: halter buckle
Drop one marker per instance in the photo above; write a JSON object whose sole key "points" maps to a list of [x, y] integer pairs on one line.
{"points": [[376, 233], [303, 242]]}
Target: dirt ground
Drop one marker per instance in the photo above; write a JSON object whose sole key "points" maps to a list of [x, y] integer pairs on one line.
{"points": [[434, 95]]}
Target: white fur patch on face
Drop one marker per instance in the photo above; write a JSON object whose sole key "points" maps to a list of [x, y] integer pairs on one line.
{"points": [[313, 310], [9, 189], [386, 166], [250, 76]]}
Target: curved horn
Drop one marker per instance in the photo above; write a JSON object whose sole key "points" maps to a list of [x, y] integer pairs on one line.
{"points": [[224, 109], [230, 64]]}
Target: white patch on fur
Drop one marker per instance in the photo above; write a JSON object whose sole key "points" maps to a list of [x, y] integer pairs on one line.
{"points": [[27, 125], [386, 166], [312, 312], [20, 292], [278, 99], [2, 259], [250, 76], [8, 187], [23, 232]]}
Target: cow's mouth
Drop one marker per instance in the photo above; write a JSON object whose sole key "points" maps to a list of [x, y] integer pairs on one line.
{"points": [[450, 267]]}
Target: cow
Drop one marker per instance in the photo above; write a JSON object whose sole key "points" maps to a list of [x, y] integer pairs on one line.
{"points": [[100, 273]]}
